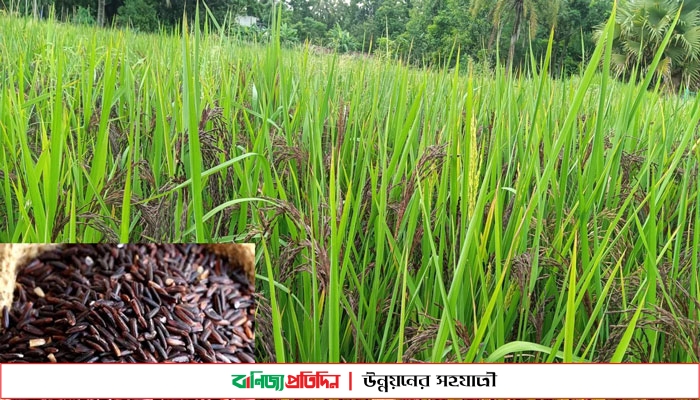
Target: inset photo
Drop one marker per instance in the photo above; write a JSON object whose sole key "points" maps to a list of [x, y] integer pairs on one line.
{"points": [[127, 303]]}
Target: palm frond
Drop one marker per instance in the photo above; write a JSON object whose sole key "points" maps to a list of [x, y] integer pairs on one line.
{"points": [[691, 74], [690, 42]]}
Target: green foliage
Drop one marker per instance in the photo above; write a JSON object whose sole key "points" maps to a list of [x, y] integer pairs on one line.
{"points": [[390, 48], [573, 39], [340, 40], [310, 29], [438, 28], [519, 13], [83, 16], [423, 32], [640, 27], [390, 19], [139, 15], [253, 33], [288, 35]]}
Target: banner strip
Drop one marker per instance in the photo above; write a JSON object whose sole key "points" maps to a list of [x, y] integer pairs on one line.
{"points": [[346, 381]]}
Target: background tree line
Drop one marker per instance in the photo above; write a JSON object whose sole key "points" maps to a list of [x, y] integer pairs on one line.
{"points": [[425, 32], [429, 32]]}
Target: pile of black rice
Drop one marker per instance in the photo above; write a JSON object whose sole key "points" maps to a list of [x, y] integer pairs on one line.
{"points": [[129, 303]]}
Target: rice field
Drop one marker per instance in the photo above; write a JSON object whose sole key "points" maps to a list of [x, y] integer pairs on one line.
{"points": [[399, 214]]}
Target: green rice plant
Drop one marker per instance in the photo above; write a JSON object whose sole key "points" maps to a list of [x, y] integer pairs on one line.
{"points": [[101, 148]]}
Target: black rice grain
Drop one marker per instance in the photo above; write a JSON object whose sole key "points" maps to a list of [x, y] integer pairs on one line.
{"points": [[129, 303]]}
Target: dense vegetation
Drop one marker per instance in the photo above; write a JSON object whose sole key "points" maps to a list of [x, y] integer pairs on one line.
{"points": [[421, 31], [429, 32], [400, 213]]}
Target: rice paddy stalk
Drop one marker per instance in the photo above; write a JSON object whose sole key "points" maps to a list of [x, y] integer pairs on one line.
{"points": [[191, 95]]}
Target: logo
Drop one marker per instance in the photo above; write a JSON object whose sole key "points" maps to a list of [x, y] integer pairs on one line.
{"points": [[303, 380]]}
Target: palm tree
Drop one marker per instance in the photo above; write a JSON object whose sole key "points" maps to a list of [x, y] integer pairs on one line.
{"points": [[640, 27], [531, 10]]}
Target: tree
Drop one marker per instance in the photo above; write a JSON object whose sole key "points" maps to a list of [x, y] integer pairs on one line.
{"points": [[640, 27], [101, 4], [573, 36], [83, 17], [139, 15], [531, 10], [437, 29]]}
